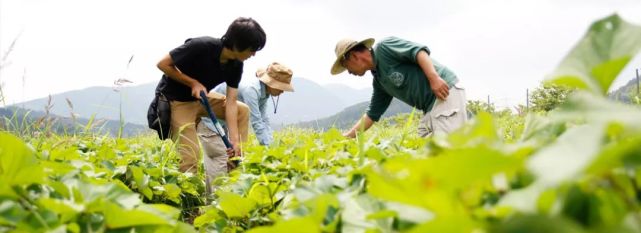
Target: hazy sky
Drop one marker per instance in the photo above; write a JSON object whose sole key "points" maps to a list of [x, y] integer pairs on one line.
{"points": [[496, 47]]}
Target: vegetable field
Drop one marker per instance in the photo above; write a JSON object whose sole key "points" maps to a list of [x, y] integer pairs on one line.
{"points": [[576, 168]]}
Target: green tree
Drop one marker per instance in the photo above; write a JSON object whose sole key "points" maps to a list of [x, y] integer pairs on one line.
{"points": [[477, 106], [549, 96]]}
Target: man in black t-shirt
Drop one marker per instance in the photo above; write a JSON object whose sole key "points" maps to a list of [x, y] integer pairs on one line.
{"points": [[199, 65]]}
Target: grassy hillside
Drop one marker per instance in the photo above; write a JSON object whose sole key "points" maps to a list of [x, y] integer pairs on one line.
{"points": [[28, 121], [348, 116]]}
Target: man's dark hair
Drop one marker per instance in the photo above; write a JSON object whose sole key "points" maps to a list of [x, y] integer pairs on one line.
{"points": [[359, 47], [244, 33]]}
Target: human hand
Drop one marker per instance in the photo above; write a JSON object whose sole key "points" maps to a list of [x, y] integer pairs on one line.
{"points": [[348, 135], [233, 156], [230, 152], [440, 88], [236, 150], [196, 88], [231, 161]]}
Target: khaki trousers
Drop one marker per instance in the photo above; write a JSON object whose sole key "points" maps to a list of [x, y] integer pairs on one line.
{"points": [[215, 158], [184, 118], [446, 115]]}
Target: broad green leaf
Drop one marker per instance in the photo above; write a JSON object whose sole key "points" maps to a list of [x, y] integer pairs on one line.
{"points": [[260, 193], [624, 153], [234, 205], [357, 211], [18, 165], [568, 156], [589, 108], [482, 131], [210, 216], [324, 208], [173, 192], [138, 175], [166, 211], [118, 217], [597, 59], [330, 183], [433, 183], [409, 213], [92, 193], [459, 168], [65, 209], [525, 199]]}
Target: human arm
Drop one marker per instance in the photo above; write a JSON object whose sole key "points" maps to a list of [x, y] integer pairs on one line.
{"points": [[178, 57], [362, 125], [267, 138], [377, 106], [257, 115], [437, 84], [231, 117]]}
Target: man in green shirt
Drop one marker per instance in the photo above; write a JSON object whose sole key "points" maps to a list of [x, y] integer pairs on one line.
{"points": [[404, 69]]}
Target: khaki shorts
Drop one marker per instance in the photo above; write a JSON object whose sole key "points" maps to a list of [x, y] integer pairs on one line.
{"points": [[215, 156], [446, 116]]}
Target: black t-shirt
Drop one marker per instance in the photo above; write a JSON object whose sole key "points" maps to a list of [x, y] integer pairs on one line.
{"points": [[199, 58]]}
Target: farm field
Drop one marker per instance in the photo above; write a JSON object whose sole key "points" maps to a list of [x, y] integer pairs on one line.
{"points": [[576, 168]]}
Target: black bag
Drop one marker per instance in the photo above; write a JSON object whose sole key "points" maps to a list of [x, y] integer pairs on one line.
{"points": [[159, 115]]}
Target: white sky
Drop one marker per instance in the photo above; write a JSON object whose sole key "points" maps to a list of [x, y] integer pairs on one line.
{"points": [[496, 47]]}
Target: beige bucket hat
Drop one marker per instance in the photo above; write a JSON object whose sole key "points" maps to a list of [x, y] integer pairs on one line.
{"points": [[342, 47], [276, 76]]}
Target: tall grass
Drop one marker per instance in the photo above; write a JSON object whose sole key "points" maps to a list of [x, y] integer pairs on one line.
{"points": [[4, 62], [118, 84]]}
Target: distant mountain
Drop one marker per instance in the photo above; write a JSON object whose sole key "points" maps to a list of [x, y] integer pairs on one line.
{"points": [[626, 92], [349, 95], [18, 119], [348, 117], [104, 102], [310, 101]]}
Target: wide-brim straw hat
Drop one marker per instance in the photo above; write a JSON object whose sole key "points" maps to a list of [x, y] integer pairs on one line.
{"points": [[276, 76], [342, 47]]}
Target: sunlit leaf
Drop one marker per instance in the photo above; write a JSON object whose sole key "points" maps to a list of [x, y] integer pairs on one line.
{"points": [[624, 153], [118, 217], [234, 205], [357, 215], [18, 165], [569, 155], [209, 216], [260, 193], [597, 59]]}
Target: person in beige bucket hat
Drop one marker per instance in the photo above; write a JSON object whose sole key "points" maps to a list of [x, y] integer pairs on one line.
{"points": [[271, 81], [404, 70]]}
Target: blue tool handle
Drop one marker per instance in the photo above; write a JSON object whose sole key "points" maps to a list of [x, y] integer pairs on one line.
{"points": [[205, 102]]}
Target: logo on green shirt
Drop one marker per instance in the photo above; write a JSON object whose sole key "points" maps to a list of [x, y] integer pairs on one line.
{"points": [[396, 78]]}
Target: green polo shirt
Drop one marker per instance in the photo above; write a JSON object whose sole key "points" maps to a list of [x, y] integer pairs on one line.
{"points": [[399, 75]]}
